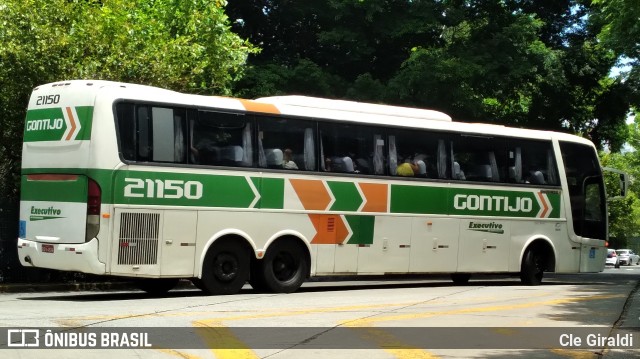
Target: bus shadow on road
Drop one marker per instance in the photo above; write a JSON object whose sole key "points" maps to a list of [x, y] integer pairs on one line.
{"points": [[333, 284]]}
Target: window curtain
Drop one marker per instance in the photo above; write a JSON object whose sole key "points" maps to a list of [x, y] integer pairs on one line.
{"points": [[393, 156], [178, 139], [309, 150], [518, 165], [262, 157], [442, 160], [247, 146], [495, 175], [378, 148], [322, 166], [552, 176]]}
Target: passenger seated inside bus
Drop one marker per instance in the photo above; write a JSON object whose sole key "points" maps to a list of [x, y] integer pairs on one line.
{"points": [[458, 173], [342, 164], [412, 169], [274, 157], [287, 162], [536, 177], [362, 166], [231, 156], [407, 169], [481, 173], [205, 152]]}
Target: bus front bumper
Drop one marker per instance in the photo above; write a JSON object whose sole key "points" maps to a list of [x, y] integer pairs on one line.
{"points": [[78, 257]]}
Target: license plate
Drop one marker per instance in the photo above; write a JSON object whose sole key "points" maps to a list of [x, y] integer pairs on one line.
{"points": [[47, 248]]}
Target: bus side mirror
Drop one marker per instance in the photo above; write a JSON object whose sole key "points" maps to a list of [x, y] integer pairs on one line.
{"points": [[623, 182]]}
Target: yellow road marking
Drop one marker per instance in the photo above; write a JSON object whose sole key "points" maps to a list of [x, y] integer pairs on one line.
{"points": [[576, 354], [218, 337], [369, 321], [178, 353], [384, 340]]}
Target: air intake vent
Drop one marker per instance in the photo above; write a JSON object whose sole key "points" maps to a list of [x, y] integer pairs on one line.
{"points": [[138, 240]]}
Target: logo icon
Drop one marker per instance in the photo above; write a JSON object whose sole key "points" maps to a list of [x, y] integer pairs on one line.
{"points": [[23, 338]]}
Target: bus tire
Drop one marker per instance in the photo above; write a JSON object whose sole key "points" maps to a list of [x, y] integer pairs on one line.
{"points": [[532, 268], [284, 267], [157, 286], [226, 267], [460, 278]]}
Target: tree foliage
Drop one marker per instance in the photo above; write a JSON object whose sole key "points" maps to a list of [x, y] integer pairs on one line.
{"points": [[181, 45], [526, 63]]}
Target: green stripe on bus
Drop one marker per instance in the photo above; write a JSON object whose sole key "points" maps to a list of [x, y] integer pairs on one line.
{"points": [[54, 191], [271, 192], [85, 115], [418, 199], [50, 124], [160, 188], [474, 202], [347, 196], [182, 189], [362, 227]]}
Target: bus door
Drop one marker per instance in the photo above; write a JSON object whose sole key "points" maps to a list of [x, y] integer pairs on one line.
{"points": [[588, 213]]}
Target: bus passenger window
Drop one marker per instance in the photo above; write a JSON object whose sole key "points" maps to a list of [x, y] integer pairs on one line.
{"points": [[222, 139], [350, 149], [480, 158], [532, 162], [286, 144], [416, 154]]}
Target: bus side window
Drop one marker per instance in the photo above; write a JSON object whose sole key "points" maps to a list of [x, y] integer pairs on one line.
{"points": [[346, 148], [222, 139], [125, 116], [286, 143], [532, 161], [480, 158], [143, 132], [167, 135]]}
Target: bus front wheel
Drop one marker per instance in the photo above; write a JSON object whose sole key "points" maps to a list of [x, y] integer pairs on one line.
{"points": [[226, 268], [532, 268], [283, 269]]}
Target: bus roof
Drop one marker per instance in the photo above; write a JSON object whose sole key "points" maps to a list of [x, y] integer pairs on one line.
{"points": [[353, 106], [313, 107]]}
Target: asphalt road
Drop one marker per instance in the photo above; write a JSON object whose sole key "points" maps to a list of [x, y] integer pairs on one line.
{"points": [[427, 317]]}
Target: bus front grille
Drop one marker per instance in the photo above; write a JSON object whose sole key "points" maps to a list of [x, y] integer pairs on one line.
{"points": [[138, 240]]}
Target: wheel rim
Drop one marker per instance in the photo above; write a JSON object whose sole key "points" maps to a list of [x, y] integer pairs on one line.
{"points": [[284, 266], [225, 267]]}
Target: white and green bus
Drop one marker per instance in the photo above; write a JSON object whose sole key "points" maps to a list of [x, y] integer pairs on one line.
{"points": [[136, 181]]}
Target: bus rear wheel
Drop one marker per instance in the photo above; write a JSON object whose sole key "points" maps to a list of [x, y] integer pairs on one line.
{"points": [[226, 268], [283, 269], [532, 268]]}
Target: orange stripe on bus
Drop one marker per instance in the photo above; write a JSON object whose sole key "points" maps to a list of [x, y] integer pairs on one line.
{"points": [[330, 229], [544, 205], [312, 193], [376, 196], [52, 177], [73, 124], [254, 106]]}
